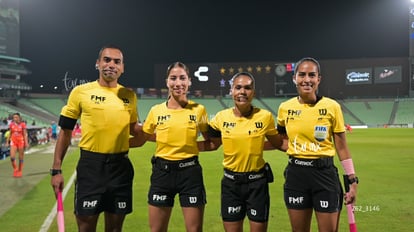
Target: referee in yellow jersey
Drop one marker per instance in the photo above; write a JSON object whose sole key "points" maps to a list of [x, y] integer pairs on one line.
{"points": [[315, 130], [242, 130], [175, 167], [108, 113]]}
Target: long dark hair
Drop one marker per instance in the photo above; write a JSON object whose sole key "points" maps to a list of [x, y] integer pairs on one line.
{"points": [[178, 65], [310, 59]]}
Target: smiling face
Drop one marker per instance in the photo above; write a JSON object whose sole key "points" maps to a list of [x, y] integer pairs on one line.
{"points": [[307, 79], [242, 91], [110, 65], [178, 82]]}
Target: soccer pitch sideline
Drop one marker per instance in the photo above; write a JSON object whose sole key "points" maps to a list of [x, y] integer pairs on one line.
{"points": [[383, 160]]}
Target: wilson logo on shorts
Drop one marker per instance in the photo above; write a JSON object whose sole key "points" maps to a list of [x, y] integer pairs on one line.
{"points": [[192, 200], [253, 212], [324, 204], [122, 205]]}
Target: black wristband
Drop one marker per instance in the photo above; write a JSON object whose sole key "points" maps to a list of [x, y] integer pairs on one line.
{"points": [[54, 172], [354, 180]]}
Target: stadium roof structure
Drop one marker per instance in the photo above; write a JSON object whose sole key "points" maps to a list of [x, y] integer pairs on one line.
{"points": [[12, 58], [13, 69], [13, 84], [12, 65]]}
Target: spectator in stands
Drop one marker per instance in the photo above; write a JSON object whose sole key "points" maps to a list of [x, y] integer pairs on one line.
{"points": [[6, 136], [5, 122], [175, 167], [54, 128], [315, 130], [242, 130], [9, 119], [49, 134], [108, 113], [348, 128], [18, 141], [5, 149], [42, 136]]}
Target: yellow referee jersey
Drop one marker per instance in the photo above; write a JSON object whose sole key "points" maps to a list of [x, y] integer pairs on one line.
{"points": [[243, 138], [177, 129], [105, 115], [310, 127]]}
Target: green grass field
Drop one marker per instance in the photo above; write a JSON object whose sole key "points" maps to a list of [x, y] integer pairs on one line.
{"points": [[383, 161]]}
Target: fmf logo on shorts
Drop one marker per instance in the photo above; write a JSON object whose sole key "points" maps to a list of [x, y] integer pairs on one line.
{"points": [[233, 210], [89, 204], [295, 200], [156, 197]]}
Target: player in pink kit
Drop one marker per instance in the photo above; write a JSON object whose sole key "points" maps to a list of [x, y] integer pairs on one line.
{"points": [[18, 141]]}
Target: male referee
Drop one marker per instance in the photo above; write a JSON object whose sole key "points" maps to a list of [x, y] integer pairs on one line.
{"points": [[107, 111]]}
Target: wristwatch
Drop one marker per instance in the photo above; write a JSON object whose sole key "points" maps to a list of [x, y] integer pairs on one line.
{"points": [[354, 180], [54, 172]]}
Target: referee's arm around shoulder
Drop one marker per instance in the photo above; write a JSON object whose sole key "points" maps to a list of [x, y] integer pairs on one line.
{"points": [[139, 137], [212, 140]]}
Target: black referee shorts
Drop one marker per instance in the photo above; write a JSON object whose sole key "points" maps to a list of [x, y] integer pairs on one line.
{"points": [[184, 177], [245, 194], [103, 184], [313, 184]]}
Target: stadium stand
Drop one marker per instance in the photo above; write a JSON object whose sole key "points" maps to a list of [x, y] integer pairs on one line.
{"points": [[369, 112], [405, 112], [6, 110], [273, 104], [51, 105], [374, 113]]}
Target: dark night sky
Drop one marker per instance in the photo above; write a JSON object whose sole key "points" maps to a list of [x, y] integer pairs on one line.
{"points": [[65, 36]]}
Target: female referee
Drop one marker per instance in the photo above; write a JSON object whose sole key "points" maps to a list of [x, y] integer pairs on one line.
{"points": [[242, 130], [175, 167], [315, 130]]}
